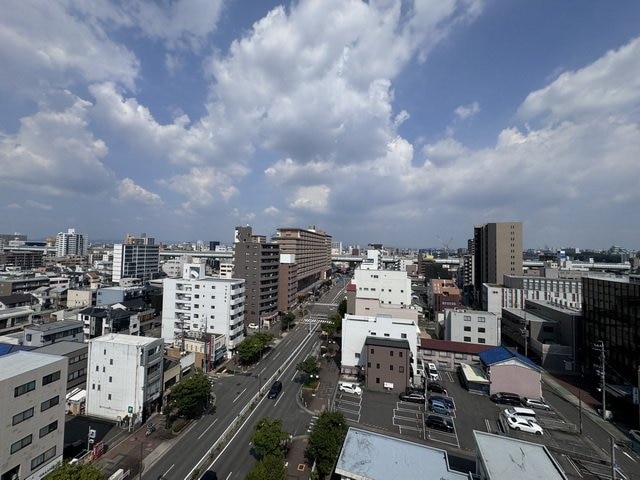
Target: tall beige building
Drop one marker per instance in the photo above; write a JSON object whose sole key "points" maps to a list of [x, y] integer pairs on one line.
{"points": [[497, 251]]}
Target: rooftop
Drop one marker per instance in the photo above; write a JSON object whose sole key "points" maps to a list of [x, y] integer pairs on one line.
{"points": [[62, 348], [61, 325], [123, 339], [456, 347], [387, 342], [501, 354], [369, 455], [20, 362], [507, 458]]}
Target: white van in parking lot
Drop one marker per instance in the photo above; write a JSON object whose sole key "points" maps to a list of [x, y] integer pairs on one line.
{"points": [[350, 388]]}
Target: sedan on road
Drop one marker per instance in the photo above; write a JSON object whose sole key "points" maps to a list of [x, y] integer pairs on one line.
{"points": [[439, 423]]}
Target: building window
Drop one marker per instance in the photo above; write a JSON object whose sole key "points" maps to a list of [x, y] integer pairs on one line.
{"points": [[467, 329], [110, 379], [377, 379], [482, 319], [20, 444], [481, 340], [403, 335], [28, 337], [357, 355], [368, 364], [24, 388], [391, 353], [104, 352], [22, 416], [481, 330], [52, 402], [467, 318], [47, 429], [109, 396], [378, 366], [45, 457], [372, 350], [400, 354], [391, 368], [52, 377], [467, 339], [401, 369], [111, 361]]}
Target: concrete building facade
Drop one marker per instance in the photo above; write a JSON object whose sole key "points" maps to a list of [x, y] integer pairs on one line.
{"points": [[48, 333], [135, 260], [71, 244], [471, 326], [33, 388], [125, 377], [388, 364]]}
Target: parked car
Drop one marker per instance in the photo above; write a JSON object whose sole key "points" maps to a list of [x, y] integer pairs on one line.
{"points": [[439, 407], [520, 412], [506, 398], [253, 326], [439, 423], [433, 371], [436, 388], [275, 389], [535, 403], [350, 388], [447, 401], [523, 424], [414, 397]]}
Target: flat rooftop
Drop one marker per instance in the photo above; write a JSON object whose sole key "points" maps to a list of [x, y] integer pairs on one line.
{"points": [[20, 362], [62, 348], [60, 325], [369, 455], [121, 338]]}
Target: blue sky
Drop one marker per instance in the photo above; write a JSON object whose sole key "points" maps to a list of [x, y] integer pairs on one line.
{"points": [[387, 121]]}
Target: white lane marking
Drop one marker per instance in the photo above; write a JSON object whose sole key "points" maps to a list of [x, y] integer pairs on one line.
{"points": [[229, 476], [630, 457], [207, 429], [165, 473], [239, 395], [295, 374]]}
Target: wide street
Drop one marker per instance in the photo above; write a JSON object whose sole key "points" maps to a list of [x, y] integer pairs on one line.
{"points": [[234, 393]]}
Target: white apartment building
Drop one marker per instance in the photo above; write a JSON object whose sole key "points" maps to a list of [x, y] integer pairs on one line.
{"points": [[389, 287], [356, 329], [226, 270], [124, 377], [48, 333], [195, 305], [32, 389], [472, 326], [71, 243], [373, 260]]}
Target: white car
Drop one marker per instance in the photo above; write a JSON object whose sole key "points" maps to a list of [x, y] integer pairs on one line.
{"points": [[534, 403], [524, 425], [433, 372], [253, 326], [350, 388]]}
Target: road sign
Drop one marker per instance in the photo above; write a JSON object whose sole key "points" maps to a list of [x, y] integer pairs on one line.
{"points": [[130, 410]]}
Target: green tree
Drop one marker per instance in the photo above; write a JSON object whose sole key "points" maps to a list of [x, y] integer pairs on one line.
{"points": [[310, 367], [287, 320], [252, 347], [78, 471], [268, 438], [268, 468], [342, 308], [325, 441], [190, 397]]}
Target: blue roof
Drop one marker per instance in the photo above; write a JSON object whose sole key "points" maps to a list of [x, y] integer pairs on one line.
{"points": [[500, 354], [6, 348]]}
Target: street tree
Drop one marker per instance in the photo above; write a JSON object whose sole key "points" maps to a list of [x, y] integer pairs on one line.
{"points": [[252, 347], [342, 308], [268, 438], [310, 367], [325, 441], [190, 396], [287, 320], [270, 467], [78, 471]]}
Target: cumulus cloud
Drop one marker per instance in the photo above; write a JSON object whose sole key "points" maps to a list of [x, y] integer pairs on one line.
{"points": [[202, 186], [314, 199], [55, 152], [467, 111], [128, 190]]}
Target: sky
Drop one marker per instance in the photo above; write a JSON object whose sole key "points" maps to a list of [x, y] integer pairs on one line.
{"points": [[390, 121]]}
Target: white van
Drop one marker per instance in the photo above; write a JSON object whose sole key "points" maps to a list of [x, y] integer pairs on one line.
{"points": [[520, 412]]}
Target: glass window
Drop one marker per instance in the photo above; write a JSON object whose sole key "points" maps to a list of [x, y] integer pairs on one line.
{"points": [[467, 339], [467, 329], [42, 458], [24, 388], [20, 444], [47, 429], [482, 319], [22, 416], [52, 377], [52, 402], [481, 340]]}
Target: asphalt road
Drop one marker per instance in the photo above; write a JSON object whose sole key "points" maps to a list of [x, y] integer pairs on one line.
{"points": [[233, 393]]}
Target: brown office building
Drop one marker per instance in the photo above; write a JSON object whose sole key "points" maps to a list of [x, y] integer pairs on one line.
{"points": [[257, 262], [312, 250], [388, 364]]}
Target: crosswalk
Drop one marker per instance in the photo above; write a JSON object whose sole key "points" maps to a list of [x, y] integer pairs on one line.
{"points": [[316, 319]]}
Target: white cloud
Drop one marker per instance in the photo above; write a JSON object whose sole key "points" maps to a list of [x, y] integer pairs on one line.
{"points": [[610, 85], [55, 152], [202, 186], [314, 199], [38, 205], [467, 111], [128, 190], [271, 210]]}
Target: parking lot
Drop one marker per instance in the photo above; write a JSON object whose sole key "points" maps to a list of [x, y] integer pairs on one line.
{"points": [[385, 411]]}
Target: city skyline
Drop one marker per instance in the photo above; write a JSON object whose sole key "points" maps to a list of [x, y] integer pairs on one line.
{"points": [[394, 122]]}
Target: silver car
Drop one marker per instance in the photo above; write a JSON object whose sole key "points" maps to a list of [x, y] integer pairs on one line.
{"points": [[535, 403]]}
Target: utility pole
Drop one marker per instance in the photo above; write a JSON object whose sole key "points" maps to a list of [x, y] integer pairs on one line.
{"points": [[613, 458], [599, 346]]}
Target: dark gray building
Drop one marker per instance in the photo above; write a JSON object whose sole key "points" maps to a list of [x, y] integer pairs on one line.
{"points": [[388, 364], [257, 262]]}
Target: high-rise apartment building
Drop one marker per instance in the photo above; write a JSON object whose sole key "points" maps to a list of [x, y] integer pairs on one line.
{"points": [[71, 244], [257, 262], [199, 307], [32, 389], [136, 258], [312, 250], [497, 251]]}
